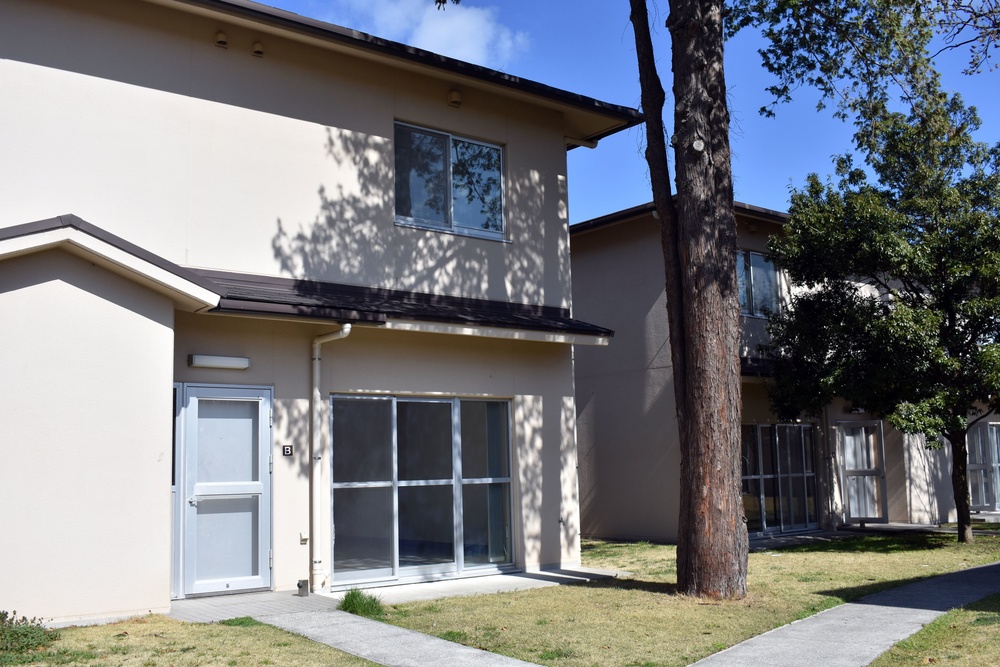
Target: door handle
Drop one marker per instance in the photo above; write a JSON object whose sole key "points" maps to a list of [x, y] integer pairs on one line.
{"points": [[193, 502]]}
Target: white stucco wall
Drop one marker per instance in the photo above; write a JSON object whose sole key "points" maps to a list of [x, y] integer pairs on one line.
{"points": [[85, 357], [128, 115], [627, 435], [535, 377]]}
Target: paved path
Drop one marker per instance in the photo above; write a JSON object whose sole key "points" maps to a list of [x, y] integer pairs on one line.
{"points": [[317, 617], [850, 635], [383, 643], [854, 634]]}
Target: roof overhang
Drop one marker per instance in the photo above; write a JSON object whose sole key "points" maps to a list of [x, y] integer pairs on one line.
{"points": [[587, 120], [285, 298], [68, 232], [499, 332], [744, 212]]}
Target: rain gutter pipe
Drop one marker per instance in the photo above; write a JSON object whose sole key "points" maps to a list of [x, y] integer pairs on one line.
{"points": [[318, 574]]}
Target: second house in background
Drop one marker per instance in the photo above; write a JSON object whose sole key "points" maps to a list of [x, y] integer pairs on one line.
{"points": [[845, 466]]}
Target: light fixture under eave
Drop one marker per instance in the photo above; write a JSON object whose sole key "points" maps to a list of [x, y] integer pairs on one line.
{"points": [[257, 50], [221, 40], [215, 361]]}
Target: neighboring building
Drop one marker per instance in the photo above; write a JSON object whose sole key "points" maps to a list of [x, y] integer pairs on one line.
{"points": [[283, 302], [844, 467]]}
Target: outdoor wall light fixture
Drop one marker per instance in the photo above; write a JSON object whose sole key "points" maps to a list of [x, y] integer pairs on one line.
{"points": [[257, 51], [215, 361], [221, 40], [455, 99]]}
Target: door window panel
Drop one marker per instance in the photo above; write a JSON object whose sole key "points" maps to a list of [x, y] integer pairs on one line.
{"points": [[363, 521], [426, 525], [362, 429], [424, 440], [228, 538], [751, 505], [484, 440], [486, 523], [751, 458], [228, 442]]}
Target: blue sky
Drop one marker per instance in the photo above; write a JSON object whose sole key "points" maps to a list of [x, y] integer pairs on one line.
{"points": [[587, 48]]}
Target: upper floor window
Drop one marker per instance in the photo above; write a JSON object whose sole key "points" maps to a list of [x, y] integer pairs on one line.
{"points": [[448, 182], [760, 292]]}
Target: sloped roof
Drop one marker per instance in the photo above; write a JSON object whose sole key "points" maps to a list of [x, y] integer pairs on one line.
{"points": [[644, 210], [222, 292], [285, 297], [69, 232], [589, 118]]}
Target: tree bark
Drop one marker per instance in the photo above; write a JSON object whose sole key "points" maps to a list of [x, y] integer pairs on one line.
{"points": [[960, 484], [699, 248]]}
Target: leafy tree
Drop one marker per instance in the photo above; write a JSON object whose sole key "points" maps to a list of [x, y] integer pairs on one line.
{"points": [[901, 309]]}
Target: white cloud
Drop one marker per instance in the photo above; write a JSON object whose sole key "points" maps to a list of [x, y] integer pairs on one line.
{"points": [[473, 34]]}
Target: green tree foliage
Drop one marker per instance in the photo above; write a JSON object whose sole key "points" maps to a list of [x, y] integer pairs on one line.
{"points": [[856, 53], [900, 311]]}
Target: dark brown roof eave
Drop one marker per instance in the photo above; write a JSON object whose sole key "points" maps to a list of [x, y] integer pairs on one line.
{"points": [[244, 294], [746, 210]]}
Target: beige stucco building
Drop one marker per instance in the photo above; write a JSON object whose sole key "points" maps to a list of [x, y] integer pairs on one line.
{"points": [[845, 467], [283, 303]]}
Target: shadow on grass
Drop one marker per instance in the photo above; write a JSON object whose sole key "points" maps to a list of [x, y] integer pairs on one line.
{"points": [[940, 592], [612, 583], [885, 544], [855, 593]]}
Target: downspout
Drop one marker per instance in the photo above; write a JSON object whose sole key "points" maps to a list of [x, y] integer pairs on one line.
{"points": [[316, 452]]}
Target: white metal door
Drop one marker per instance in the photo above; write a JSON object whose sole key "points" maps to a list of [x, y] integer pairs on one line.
{"points": [[227, 489], [862, 456]]}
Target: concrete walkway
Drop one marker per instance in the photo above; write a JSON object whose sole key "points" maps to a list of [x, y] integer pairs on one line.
{"points": [[383, 643], [317, 617], [856, 633], [849, 635]]}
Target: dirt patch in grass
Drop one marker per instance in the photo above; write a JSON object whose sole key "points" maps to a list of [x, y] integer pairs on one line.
{"points": [[641, 620], [158, 641], [968, 637]]}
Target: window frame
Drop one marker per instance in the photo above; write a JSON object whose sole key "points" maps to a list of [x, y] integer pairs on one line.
{"points": [[747, 294], [449, 226], [457, 482]]}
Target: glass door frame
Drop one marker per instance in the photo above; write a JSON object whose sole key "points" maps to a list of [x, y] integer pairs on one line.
{"points": [[782, 478], [396, 570], [984, 464], [876, 472]]}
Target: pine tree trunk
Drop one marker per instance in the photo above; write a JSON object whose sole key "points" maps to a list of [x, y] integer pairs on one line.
{"points": [[699, 247], [960, 484]]}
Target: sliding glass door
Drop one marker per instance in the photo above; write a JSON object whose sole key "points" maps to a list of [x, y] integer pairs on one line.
{"points": [[420, 487], [779, 477]]}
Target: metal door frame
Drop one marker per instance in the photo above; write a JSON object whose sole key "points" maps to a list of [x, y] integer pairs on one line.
{"points": [[186, 418], [878, 473]]}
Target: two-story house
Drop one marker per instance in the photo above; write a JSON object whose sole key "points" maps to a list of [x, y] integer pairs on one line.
{"points": [[283, 303], [845, 466]]}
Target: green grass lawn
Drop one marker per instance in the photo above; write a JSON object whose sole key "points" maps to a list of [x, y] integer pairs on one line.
{"points": [[641, 620], [968, 637], [158, 641], [634, 621]]}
